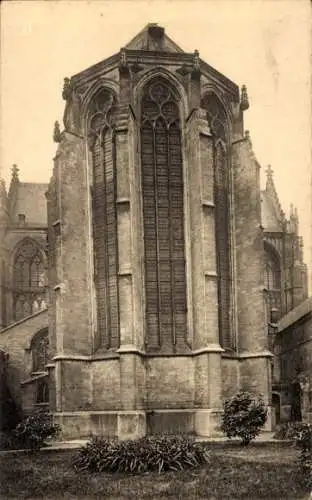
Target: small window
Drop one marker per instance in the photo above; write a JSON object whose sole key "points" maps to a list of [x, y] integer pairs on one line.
{"points": [[42, 392], [40, 351]]}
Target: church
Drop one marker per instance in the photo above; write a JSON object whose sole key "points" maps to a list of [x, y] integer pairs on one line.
{"points": [[138, 287]]}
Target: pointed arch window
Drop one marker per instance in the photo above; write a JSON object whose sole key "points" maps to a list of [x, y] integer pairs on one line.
{"points": [[163, 217], [272, 280], [40, 350], [102, 146], [269, 276], [42, 392], [218, 124], [29, 279]]}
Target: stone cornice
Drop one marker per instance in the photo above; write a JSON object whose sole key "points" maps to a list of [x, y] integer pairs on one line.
{"points": [[250, 354], [13, 325], [132, 349], [135, 57]]}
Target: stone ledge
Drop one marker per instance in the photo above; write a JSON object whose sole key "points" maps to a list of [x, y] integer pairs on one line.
{"points": [[131, 349], [260, 354], [21, 321]]}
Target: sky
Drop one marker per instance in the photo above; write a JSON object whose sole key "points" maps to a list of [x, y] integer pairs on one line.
{"points": [[263, 44]]}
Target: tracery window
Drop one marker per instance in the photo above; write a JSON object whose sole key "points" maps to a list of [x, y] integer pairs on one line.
{"points": [[101, 141], [217, 121], [40, 351], [272, 282], [162, 188], [272, 273], [29, 279], [269, 276]]}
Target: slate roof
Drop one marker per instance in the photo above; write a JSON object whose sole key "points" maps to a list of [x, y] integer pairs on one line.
{"points": [[295, 314], [269, 218]]}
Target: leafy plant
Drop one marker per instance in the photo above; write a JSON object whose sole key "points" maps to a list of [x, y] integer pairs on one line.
{"points": [[150, 453], [10, 413], [303, 440], [287, 430], [243, 417], [35, 429], [8, 441]]}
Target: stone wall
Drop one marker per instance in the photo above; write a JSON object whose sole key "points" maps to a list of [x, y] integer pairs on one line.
{"points": [[16, 340]]}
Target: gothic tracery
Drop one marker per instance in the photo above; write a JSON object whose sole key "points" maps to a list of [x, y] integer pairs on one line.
{"points": [[29, 279], [101, 141], [162, 185]]}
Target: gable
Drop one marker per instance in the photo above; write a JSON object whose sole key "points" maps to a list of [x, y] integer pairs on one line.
{"points": [[31, 202], [153, 38], [269, 219]]}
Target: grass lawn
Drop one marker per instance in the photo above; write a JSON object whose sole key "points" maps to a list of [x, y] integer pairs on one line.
{"points": [[234, 472]]}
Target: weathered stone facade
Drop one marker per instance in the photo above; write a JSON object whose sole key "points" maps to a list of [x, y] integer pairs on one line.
{"points": [[137, 339], [156, 261], [285, 273], [293, 352], [23, 300]]}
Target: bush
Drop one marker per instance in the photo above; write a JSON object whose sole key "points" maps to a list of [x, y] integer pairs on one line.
{"points": [[287, 430], [243, 417], [10, 414], [8, 441], [35, 429], [303, 440], [150, 453]]}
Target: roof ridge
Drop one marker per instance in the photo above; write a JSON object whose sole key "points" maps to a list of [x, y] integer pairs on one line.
{"points": [[34, 183]]}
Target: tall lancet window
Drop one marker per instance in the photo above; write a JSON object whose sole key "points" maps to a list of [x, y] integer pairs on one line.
{"points": [[29, 295], [101, 142], [162, 186], [217, 121]]}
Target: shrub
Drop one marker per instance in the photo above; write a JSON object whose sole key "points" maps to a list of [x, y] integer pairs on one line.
{"points": [[35, 429], [8, 441], [287, 430], [243, 417], [150, 453], [303, 440], [10, 414]]}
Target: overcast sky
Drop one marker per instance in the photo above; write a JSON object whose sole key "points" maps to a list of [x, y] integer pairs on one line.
{"points": [[265, 45]]}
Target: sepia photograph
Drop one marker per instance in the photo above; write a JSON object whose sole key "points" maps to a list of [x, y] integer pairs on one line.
{"points": [[156, 249]]}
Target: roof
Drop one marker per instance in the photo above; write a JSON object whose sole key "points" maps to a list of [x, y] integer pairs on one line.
{"points": [[295, 314], [269, 218], [152, 42], [31, 202], [153, 37]]}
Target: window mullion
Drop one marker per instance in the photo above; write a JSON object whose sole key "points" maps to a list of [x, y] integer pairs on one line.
{"points": [[157, 234], [171, 262]]}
